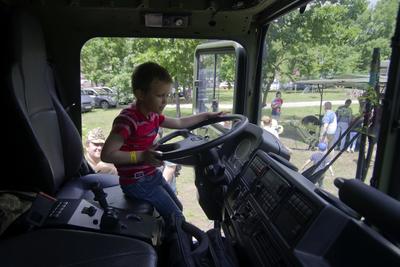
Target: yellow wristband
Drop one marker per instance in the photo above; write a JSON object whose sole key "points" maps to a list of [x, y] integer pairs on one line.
{"points": [[133, 157]]}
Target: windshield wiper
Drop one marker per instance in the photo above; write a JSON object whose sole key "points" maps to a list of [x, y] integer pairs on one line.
{"points": [[310, 173]]}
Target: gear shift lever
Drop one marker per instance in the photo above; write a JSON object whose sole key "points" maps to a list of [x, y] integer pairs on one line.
{"points": [[109, 220], [100, 195]]}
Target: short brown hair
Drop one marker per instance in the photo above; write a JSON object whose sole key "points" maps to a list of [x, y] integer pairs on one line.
{"points": [[328, 105], [146, 73]]}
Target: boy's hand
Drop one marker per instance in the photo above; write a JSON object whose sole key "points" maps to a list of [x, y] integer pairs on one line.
{"points": [[211, 115], [151, 157]]}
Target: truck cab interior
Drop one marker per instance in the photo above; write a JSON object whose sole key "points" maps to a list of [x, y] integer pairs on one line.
{"points": [[57, 212]]}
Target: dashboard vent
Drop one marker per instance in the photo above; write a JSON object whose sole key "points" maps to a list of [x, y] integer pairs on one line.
{"points": [[266, 250]]}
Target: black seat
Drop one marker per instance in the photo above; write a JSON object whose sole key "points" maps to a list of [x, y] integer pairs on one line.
{"points": [[57, 247], [44, 141], [56, 142]]}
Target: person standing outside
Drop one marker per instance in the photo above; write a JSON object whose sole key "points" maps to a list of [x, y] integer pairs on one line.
{"points": [[93, 146], [130, 143], [344, 116], [315, 158], [329, 125], [169, 170], [276, 106]]}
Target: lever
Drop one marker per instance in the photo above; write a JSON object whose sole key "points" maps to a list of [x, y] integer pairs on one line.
{"points": [[100, 195], [109, 220]]}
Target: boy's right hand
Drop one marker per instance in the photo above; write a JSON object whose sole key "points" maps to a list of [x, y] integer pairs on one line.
{"points": [[151, 157]]}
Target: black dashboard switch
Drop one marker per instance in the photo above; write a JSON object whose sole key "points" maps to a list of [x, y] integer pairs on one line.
{"points": [[91, 211]]}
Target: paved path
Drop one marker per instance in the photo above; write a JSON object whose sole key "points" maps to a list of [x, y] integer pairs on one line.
{"points": [[285, 105]]}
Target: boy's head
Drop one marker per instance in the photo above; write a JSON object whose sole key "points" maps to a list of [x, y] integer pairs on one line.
{"points": [[278, 94], [322, 146], [145, 74], [151, 84]]}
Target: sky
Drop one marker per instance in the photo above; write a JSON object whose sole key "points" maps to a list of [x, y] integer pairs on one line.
{"points": [[373, 2]]}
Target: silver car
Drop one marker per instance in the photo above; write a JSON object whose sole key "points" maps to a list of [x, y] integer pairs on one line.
{"points": [[87, 103], [102, 99]]}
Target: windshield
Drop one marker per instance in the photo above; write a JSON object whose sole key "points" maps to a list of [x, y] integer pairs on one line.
{"points": [[323, 78]]}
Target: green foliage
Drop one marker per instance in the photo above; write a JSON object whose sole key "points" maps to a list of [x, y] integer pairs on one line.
{"points": [[110, 61], [227, 68], [371, 95]]}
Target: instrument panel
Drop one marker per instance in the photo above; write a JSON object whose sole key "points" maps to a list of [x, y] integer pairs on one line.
{"points": [[266, 212], [275, 217]]}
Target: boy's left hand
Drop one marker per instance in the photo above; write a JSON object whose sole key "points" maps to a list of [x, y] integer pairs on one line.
{"points": [[211, 115]]}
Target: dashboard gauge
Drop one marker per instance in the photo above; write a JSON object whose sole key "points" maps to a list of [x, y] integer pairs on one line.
{"points": [[242, 151]]}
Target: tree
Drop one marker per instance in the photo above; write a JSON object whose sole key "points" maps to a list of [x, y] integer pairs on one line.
{"points": [[110, 61], [317, 44], [378, 28]]}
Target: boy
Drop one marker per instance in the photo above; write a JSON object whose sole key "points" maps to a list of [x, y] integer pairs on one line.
{"points": [[315, 158], [129, 145]]}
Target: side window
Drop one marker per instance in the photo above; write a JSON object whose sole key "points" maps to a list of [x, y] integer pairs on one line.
{"points": [[215, 76], [215, 82]]}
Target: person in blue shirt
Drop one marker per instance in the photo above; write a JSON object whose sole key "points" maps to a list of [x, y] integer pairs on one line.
{"points": [[329, 125], [315, 158]]}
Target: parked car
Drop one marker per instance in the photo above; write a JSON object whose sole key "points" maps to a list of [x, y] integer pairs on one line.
{"points": [[104, 90], [102, 99], [87, 103]]}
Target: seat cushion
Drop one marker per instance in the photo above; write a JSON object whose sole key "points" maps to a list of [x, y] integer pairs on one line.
{"points": [[81, 188], [59, 247]]}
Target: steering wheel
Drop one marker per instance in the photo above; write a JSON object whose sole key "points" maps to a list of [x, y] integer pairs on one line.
{"points": [[193, 144]]}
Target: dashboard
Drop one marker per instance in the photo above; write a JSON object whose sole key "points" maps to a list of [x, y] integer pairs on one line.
{"points": [[237, 152], [276, 217]]}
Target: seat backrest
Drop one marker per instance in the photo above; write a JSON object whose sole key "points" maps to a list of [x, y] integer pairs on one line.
{"points": [[55, 137]]}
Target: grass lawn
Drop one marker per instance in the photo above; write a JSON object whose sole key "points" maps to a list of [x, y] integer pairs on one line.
{"points": [[328, 94], [298, 113], [226, 96]]}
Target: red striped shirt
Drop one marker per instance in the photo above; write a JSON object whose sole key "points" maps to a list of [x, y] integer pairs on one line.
{"points": [[138, 133]]}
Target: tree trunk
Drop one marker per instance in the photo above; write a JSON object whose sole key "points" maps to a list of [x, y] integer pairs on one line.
{"points": [[178, 104], [270, 80], [265, 94]]}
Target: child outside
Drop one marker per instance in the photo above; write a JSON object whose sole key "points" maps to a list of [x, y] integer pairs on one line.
{"points": [[267, 125], [276, 106], [130, 143], [315, 158]]}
